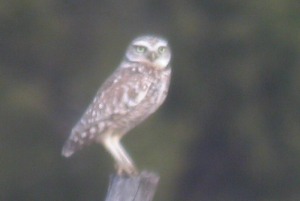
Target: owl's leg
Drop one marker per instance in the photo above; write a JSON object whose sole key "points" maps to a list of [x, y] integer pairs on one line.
{"points": [[124, 163], [128, 164]]}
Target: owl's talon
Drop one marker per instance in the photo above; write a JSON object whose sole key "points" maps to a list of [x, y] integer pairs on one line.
{"points": [[128, 171]]}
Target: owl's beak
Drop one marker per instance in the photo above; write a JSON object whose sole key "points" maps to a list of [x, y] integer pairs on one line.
{"points": [[152, 56]]}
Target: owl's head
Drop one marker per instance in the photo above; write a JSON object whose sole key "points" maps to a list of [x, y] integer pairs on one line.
{"points": [[151, 50]]}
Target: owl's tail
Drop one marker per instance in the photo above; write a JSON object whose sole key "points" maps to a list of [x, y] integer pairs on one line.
{"points": [[76, 141], [68, 149]]}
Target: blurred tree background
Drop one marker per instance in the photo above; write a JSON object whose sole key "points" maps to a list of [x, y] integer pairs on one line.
{"points": [[228, 131]]}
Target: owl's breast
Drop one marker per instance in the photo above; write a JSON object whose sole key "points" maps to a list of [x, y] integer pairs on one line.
{"points": [[136, 98], [146, 102]]}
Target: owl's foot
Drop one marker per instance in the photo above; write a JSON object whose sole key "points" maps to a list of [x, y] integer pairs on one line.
{"points": [[126, 170]]}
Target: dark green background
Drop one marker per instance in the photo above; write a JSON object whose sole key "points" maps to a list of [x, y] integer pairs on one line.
{"points": [[228, 131]]}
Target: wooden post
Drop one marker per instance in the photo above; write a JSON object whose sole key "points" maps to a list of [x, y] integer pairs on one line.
{"points": [[141, 187]]}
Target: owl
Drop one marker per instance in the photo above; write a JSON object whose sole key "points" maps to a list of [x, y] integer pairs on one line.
{"points": [[132, 93]]}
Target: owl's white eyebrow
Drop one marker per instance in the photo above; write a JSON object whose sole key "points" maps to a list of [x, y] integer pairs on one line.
{"points": [[161, 43], [143, 43]]}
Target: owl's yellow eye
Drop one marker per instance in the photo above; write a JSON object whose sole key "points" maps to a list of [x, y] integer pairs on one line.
{"points": [[162, 49], [140, 49]]}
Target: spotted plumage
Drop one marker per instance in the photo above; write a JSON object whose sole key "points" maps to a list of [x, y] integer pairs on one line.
{"points": [[132, 93]]}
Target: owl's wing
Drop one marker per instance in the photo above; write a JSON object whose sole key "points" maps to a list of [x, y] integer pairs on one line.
{"points": [[118, 96]]}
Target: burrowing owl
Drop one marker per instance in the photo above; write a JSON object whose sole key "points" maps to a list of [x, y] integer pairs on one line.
{"points": [[131, 94]]}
